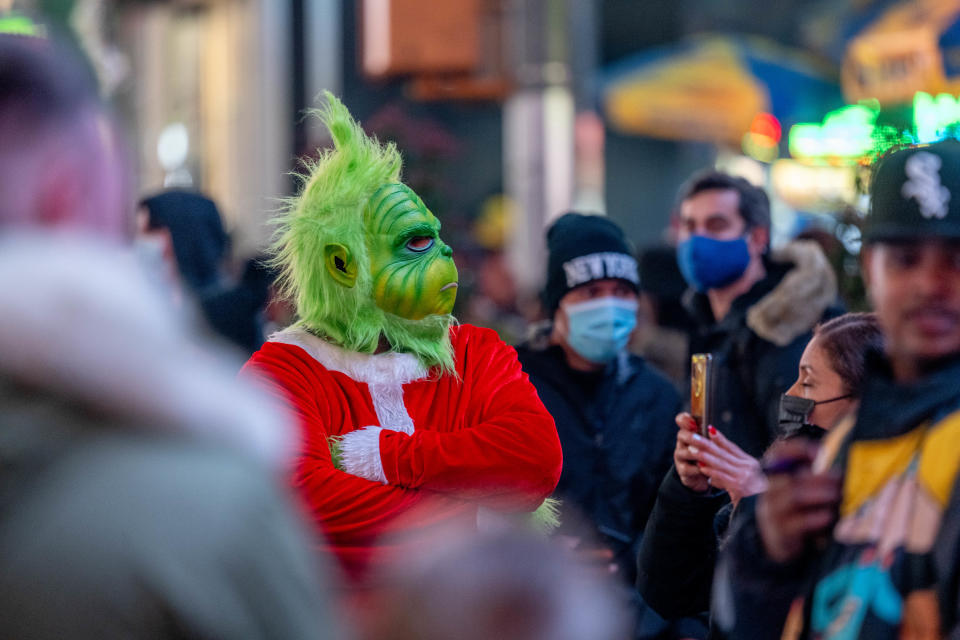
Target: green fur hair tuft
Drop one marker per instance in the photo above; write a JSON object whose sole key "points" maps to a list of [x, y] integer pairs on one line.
{"points": [[546, 518]]}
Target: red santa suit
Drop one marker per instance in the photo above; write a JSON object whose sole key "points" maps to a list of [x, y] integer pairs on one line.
{"points": [[481, 438]]}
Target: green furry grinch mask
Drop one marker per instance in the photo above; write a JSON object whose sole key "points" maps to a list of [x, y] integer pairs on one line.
{"points": [[361, 255]]}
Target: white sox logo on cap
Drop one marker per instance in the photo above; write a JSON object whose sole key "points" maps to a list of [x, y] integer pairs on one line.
{"points": [[923, 169]]}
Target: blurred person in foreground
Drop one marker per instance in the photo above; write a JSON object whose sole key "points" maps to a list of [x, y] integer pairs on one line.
{"points": [[138, 493], [401, 409], [181, 233], [511, 585], [753, 309], [712, 474], [613, 410], [860, 537]]}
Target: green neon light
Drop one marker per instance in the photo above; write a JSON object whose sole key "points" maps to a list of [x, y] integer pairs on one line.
{"points": [[934, 117], [851, 133], [845, 133], [18, 25]]}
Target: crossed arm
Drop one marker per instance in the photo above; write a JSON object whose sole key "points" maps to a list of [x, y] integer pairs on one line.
{"points": [[508, 458]]}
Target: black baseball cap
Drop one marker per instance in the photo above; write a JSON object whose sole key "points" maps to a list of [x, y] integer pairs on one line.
{"points": [[915, 193]]}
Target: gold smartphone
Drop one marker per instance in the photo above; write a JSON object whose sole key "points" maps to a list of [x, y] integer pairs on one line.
{"points": [[701, 390]]}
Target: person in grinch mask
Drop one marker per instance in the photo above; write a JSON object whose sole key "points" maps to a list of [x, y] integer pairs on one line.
{"points": [[613, 410], [408, 421]]}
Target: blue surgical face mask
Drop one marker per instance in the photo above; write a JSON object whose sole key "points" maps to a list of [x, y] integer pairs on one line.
{"points": [[712, 264], [600, 328]]}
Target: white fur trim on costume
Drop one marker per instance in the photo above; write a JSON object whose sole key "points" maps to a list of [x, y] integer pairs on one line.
{"points": [[360, 453], [384, 373], [390, 367]]}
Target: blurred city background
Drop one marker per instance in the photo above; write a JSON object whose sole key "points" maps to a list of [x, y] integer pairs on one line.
{"points": [[510, 112]]}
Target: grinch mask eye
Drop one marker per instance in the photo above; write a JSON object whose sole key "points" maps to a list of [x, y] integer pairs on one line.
{"points": [[420, 243]]}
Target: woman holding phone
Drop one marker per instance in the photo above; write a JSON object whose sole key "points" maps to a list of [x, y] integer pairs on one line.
{"points": [[676, 559]]}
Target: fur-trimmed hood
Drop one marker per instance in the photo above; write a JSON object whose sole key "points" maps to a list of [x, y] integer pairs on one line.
{"points": [[82, 327], [799, 301]]}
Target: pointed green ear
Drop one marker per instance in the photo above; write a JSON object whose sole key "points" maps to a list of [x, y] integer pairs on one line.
{"points": [[340, 264]]}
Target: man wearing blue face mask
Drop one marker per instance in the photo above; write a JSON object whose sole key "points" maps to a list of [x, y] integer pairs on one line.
{"points": [[614, 412], [753, 309]]}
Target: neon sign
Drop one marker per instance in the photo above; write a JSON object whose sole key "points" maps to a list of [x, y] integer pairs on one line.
{"points": [[935, 117], [847, 133], [851, 134], [17, 24]]}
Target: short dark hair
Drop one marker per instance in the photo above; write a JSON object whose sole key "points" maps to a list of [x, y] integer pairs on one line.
{"points": [[754, 206], [847, 340]]}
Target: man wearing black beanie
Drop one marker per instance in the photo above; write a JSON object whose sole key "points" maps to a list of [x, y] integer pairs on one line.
{"points": [[613, 411]]}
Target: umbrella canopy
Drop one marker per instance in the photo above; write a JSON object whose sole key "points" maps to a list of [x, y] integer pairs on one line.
{"points": [[711, 88]]}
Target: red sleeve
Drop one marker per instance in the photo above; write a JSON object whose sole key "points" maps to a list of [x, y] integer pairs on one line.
{"points": [[510, 458], [349, 509]]}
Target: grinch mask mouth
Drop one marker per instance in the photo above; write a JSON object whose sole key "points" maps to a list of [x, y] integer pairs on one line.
{"points": [[451, 285]]}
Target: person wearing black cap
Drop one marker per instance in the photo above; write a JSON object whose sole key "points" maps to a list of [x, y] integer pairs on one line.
{"points": [[861, 537], [613, 411]]}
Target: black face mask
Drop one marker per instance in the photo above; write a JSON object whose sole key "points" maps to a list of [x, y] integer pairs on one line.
{"points": [[794, 412]]}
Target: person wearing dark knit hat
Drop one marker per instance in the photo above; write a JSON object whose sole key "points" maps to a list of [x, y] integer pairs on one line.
{"points": [[886, 518], [613, 410], [583, 248], [591, 270]]}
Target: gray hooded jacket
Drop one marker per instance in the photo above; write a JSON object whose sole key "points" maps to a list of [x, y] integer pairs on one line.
{"points": [[140, 492]]}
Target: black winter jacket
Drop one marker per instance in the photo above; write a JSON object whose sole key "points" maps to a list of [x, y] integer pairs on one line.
{"points": [[617, 443], [676, 558]]}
